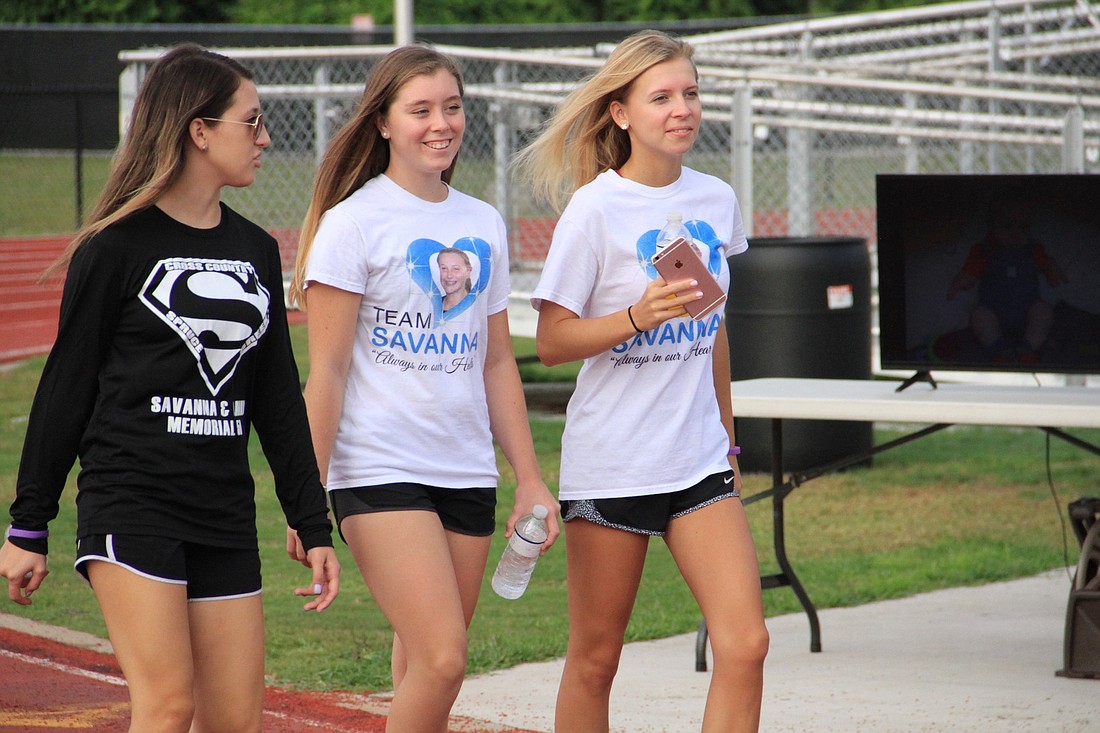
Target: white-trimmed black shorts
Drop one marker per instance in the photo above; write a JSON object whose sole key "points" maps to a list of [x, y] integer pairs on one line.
{"points": [[651, 513], [210, 573]]}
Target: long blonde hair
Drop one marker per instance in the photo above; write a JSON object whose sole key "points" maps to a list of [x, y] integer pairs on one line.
{"points": [[357, 152], [187, 82], [581, 140]]}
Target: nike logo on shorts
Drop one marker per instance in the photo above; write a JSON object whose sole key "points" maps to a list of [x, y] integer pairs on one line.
{"points": [[728, 480]]}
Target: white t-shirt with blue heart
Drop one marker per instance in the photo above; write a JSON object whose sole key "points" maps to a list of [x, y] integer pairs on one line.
{"points": [[644, 417], [414, 407]]}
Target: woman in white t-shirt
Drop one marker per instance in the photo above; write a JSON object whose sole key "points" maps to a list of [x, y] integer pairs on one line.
{"points": [[648, 448], [413, 495]]}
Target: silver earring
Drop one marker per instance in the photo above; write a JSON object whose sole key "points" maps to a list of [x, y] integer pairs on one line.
{"points": [[624, 125]]}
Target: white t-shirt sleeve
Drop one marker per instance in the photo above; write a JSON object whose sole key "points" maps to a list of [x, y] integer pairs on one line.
{"points": [[338, 256], [737, 243], [570, 271]]}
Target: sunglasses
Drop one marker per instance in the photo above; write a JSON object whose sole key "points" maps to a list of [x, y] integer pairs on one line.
{"points": [[256, 123]]}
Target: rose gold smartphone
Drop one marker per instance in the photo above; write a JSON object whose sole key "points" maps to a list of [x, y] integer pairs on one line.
{"points": [[677, 262]]}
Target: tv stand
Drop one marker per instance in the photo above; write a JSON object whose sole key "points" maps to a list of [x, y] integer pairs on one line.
{"points": [[920, 376]]}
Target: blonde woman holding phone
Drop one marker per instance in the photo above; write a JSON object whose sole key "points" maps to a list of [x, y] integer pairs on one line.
{"points": [[648, 448]]}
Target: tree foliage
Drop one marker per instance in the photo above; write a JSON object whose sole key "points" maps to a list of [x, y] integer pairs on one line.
{"points": [[304, 12], [426, 12], [115, 11]]}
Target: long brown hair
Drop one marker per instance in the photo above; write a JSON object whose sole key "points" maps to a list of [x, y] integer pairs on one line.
{"points": [[186, 82], [581, 140], [357, 152]]}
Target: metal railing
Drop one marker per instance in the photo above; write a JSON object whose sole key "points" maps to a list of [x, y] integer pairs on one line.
{"points": [[799, 117]]}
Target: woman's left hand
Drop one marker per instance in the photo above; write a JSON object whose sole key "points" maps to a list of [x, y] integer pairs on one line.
{"points": [[527, 495], [326, 578]]}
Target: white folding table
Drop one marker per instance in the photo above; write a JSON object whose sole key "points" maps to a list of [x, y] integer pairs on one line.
{"points": [[1047, 408]]}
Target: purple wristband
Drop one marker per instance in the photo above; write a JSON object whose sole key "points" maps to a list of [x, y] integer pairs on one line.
{"points": [[735, 450], [28, 534]]}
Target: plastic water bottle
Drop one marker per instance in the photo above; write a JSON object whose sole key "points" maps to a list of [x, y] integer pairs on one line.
{"points": [[674, 229], [518, 561]]}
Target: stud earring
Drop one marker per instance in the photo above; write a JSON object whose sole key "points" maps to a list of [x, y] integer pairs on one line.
{"points": [[385, 136], [624, 125]]}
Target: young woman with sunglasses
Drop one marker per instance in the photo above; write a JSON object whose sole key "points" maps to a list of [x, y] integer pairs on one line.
{"points": [[172, 345]]}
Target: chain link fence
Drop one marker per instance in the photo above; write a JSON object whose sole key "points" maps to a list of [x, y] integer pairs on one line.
{"points": [[45, 190], [799, 116]]}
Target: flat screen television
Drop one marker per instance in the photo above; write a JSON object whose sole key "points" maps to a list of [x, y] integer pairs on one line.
{"points": [[997, 273]]}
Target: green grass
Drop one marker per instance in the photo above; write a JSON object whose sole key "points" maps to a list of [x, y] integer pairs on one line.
{"points": [[40, 196], [963, 506]]}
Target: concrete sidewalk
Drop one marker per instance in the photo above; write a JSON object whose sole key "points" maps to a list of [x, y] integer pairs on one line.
{"points": [[965, 660]]}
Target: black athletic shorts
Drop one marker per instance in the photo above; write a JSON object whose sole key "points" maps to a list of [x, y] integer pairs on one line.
{"points": [[210, 573], [465, 511], [650, 514]]}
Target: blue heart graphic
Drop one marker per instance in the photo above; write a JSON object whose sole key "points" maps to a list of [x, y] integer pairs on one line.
{"points": [[701, 232], [421, 259]]}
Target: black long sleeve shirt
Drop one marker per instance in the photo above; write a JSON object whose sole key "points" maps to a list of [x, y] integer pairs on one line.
{"points": [[172, 343]]}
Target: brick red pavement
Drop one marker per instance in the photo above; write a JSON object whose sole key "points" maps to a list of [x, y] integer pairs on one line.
{"points": [[48, 685], [28, 309]]}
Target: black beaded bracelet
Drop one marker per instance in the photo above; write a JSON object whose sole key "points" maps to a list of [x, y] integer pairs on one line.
{"points": [[631, 317]]}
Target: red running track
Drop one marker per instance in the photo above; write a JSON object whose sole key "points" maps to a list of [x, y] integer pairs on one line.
{"points": [[48, 685], [28, 309]]}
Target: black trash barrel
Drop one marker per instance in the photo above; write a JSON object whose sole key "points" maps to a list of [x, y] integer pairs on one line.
{"points": [[800, 307]]}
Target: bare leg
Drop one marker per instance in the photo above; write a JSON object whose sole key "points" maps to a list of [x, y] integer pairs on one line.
{"points": [[405, 559], [605, 568], [147, 621], [469, 558], [227, 639], [713, 548]]}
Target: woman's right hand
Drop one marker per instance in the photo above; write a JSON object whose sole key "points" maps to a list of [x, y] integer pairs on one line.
{"points": [[24, 570], [663, 301]]}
